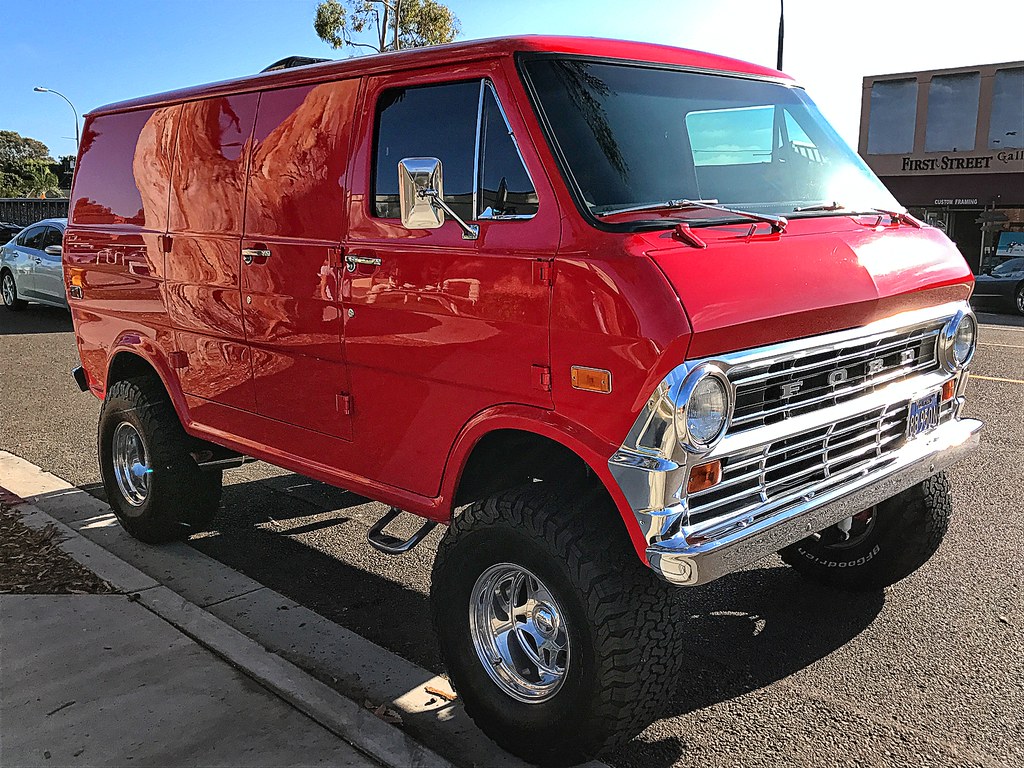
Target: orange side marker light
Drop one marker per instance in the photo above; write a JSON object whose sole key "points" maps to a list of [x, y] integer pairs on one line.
{"points": [[591, 379], [704, 476]]}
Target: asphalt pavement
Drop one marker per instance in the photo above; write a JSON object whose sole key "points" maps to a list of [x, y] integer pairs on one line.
{"points": [[929, 673]]}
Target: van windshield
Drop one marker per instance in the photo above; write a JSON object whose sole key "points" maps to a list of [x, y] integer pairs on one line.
{"points": [[633, 136]]}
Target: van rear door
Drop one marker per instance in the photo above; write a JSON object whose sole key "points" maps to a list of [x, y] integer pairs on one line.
{"points": [[294, 224]]}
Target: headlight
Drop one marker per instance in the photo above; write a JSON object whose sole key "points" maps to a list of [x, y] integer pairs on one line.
{"points": [[703, 408], [964, 341], [958, 341]]}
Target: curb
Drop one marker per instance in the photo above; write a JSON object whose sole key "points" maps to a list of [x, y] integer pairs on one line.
{"points": [[338, 714]]}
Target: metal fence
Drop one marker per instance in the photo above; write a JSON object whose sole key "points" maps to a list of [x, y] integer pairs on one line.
{"points": [[24, 211]]}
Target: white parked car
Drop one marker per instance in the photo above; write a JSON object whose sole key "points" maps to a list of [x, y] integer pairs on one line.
{"points": [[31, 268]]}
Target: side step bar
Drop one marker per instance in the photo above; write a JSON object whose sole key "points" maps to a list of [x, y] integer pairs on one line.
{"points": [[392, 545]]}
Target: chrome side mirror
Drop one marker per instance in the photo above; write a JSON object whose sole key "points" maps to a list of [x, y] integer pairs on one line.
{"points": [[421, 196], [53, 250]]}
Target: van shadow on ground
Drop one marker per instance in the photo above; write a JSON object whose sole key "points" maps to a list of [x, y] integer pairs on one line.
{"points": [[744, 631], [35, 318]]}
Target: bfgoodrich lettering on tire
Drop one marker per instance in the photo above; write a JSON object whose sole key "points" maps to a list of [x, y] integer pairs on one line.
{"points": [[153, 485], [883, 544], [560, 642]]}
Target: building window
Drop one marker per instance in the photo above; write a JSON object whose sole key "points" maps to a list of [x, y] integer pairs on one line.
{"points": [[952, 112], [893, 117], [1006, 131]]}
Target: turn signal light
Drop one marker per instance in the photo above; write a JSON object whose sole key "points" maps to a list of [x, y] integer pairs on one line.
{"points": [[76, 276], [948, 390], [591, 379], [704, 476]]}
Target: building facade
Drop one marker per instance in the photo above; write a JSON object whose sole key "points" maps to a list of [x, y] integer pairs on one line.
{"points": [[949, 144]]}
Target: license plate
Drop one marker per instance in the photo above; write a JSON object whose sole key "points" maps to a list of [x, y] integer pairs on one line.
{"points": [[924, 415]]}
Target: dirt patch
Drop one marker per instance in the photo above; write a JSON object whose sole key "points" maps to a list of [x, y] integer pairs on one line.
{"points": [[32, 562]]}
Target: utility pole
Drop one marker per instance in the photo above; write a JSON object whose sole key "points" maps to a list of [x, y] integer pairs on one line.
{"points": [[782, 30]]}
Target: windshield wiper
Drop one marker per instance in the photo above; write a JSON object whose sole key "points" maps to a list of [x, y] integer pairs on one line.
{"points": [[677, 204], [900, 217], [820, 207], [777, 223]]}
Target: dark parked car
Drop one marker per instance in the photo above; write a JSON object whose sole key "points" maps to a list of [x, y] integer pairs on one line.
{"points": [[1002, 287], [8, 231]]}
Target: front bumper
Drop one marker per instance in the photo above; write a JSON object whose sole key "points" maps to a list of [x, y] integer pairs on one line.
{"points": [[734, 545]]}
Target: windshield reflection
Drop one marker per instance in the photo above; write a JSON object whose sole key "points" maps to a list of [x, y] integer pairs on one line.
{"points": [[632, 135]]}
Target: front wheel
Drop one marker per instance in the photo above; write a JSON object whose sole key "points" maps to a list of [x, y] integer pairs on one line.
{"points": [[560, 642], [1019, 299], [153, 484], [881, 545]]}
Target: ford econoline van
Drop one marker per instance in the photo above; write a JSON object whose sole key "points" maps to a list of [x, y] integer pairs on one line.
{"points": [[623, 317]]}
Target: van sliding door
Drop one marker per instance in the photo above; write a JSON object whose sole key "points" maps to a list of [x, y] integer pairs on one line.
{"points": [[294, 224], [205, 227]]}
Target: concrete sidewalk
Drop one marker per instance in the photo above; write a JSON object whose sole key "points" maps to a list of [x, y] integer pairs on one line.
{"points": [[147, 677], [101, 680]]}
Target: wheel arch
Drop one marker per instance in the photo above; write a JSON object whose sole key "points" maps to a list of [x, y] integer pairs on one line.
{"points": [[508, 445], [134, 354]]}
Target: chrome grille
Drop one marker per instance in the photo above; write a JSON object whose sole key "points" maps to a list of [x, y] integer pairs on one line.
{"points": [[774, 390], [766, 478]]}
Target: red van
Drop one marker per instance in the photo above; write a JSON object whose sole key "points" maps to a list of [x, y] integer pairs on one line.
{"points": [[623, 317]]}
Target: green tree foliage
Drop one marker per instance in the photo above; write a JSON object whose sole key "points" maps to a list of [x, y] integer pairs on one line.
{"points": [[25, 167], [388, 25]]}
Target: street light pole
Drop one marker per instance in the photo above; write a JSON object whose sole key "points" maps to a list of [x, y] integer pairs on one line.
{"points": [[782, 29], [40, 89]]}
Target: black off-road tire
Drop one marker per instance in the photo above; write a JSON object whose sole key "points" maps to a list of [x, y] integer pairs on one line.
{"points": [[906, 531], [182, 499], [623, 623], [18, 304]]}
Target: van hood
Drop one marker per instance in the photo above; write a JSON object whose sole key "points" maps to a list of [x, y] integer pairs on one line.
{"points": [[820, 275]]}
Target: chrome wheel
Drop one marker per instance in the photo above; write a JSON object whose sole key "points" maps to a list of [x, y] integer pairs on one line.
{"points": [[519, 633], [131, 468], [1020, 300], [9, 291]]}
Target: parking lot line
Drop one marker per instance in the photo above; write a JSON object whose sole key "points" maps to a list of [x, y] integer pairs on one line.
{"points": [[1006, 346], [996, 378]]}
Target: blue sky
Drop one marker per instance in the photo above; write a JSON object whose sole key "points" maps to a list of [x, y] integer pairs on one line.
{"points": [[98, 51]]}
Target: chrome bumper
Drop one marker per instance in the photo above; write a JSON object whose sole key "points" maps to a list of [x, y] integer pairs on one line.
{"points": [[716, 552]]}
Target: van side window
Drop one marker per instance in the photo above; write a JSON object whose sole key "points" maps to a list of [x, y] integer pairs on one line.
{"points": [[429, 121], [505, 187]]}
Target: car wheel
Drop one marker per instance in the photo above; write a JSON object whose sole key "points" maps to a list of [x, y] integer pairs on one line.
{"points": [[153, 485], [9, 290], [1019, 299], [559, 641], [880, 545]]}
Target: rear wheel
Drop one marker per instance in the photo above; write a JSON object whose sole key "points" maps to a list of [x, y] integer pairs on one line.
{"points": [[881, 545], [1019, 299], [560, 642], [9, 290], [153, 484]]}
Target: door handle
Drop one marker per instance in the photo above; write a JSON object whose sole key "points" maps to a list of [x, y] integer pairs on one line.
{"points": [[249, 255], [352, 261]]}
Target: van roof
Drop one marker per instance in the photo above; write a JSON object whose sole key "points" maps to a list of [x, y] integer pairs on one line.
{"points": [[447, 54]]}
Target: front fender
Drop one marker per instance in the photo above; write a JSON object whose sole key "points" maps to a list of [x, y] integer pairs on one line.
{"points": [[591, 449]]}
